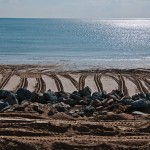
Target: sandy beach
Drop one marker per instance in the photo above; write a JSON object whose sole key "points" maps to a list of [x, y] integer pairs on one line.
{"points": [[37, 126], [41, 78], [75, 75]]}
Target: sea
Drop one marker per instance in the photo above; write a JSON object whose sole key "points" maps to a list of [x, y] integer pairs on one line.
{"points": [[76, 43]]}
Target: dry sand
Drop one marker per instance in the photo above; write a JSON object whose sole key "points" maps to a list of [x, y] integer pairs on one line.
{"points": [[26, 129], [109, 79]]}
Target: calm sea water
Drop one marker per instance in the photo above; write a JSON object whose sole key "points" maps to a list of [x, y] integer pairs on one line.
{"points": [[77, 44]]}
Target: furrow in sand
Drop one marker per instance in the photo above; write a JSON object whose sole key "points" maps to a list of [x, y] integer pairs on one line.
{"points": [[2, 71], [140, 86], [22, 131], [122, 87], [2, 76], [83, 85], [21, 115], [43, 70], [60, 83], [96, 82], [97, 79], [22, 122], [57, 82], [41, 85], [23, 83], [73, 81], [146, 76], [82, 82], [5, 80], [77, 138], [115, 79], [30, 70], [135, 82], [100, 83], [147, 82], [130, 78], [36, 88], [125, 90], [38, 85], [20, 84]]}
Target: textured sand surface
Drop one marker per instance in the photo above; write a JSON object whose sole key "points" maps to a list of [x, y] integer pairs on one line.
{"points": [[12, 83], [128, 81], [26, 130], [30, 129]]}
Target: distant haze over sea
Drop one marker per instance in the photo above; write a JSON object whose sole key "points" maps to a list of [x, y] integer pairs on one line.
{"points": [[76, 43]]}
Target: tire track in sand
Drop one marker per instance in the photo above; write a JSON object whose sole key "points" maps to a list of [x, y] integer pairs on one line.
{"points": [[73, 81], [57, 82], [134, 82], [97, 80], [40, 86], [82, 82], [77, 138], [147, 82], [23, 83], [137, 82], [6, 79], [140, 85], [122, 87], [115, 79], [2, 71]]}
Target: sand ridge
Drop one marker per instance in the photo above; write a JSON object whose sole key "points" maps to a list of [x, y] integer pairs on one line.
{"points": [[42, 132]]}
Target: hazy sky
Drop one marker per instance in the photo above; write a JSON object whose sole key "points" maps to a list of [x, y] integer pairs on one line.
{"points": [[93, 9]]}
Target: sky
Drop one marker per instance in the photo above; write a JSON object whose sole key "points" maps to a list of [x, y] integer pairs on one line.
{"points": [[90, 9]]}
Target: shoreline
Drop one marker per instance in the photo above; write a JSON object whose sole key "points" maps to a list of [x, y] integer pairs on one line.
{"points": [[59, 67], [83, 63]]}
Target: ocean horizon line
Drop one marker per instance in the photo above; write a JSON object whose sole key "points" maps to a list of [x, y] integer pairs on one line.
{"points": [[75, 18]]}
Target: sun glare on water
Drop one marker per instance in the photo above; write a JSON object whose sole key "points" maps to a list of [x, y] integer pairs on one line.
{"points": [[129, 23]]}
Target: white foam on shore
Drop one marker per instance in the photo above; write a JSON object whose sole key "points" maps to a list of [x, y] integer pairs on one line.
{"points": [[81, 63]]}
